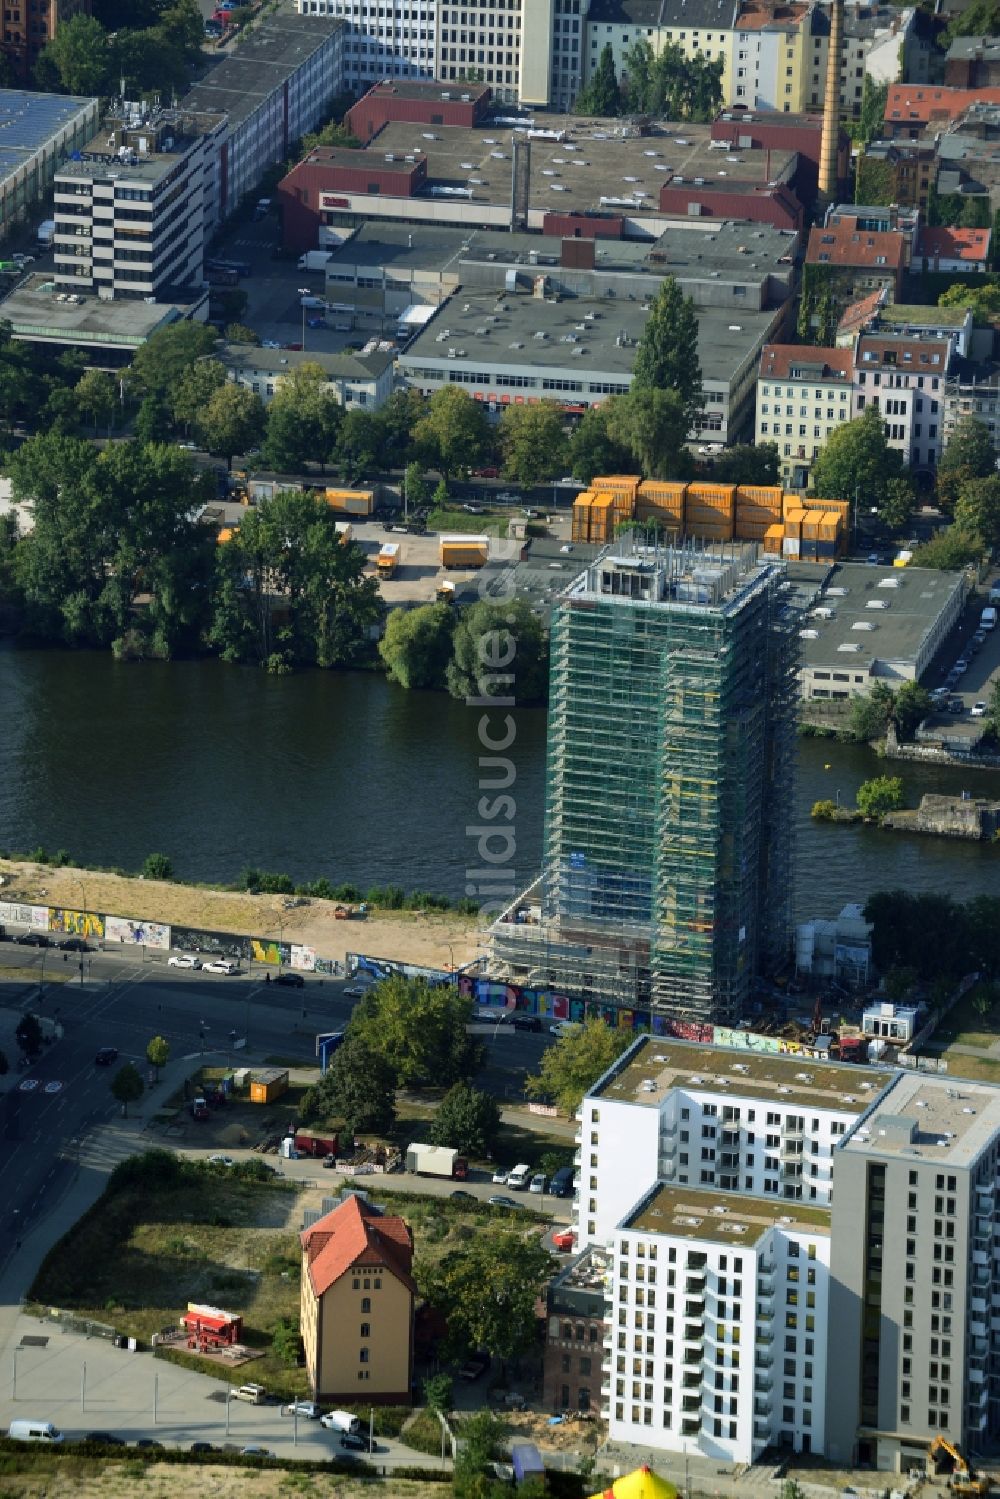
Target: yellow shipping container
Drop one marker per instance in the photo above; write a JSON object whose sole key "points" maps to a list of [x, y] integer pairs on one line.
{"points": [[671, 519], [716, 496], [768, 496], [581, 516], [666, 492], [791, 501], [773, 538], [750, 531], [616, 484], [351, 501], [268, 1085]]}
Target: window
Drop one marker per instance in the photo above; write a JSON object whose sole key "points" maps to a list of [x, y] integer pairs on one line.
{"points": [[366, 1301]]}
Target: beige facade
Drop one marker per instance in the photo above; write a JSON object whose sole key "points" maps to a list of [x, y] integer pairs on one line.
{"points": [[803, 394]]}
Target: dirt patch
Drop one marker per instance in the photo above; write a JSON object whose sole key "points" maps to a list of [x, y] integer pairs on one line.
{"points": [[567, 1436], [426, 938], [96, 1480]]}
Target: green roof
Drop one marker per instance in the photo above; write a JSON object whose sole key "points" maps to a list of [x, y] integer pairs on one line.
{"points": [[938, 317]]}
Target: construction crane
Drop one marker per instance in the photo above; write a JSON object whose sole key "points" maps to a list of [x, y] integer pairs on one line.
{"points": [[961, 1478]]}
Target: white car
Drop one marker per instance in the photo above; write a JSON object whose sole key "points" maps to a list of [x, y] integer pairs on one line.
{"points": [[306, 1408], [221, 1160], [500, 1177], [563, 1028], [355, 992], [538, 1183], [978, 710], [220, 965], [183, 960]]}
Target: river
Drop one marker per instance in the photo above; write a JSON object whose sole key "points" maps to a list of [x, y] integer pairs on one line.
{"points": [[343, 775]]}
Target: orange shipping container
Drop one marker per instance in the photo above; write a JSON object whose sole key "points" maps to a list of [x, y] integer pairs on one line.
{"points": [[715, 496], [766, 495], [616, 484], [791, 501], [663, 491]]}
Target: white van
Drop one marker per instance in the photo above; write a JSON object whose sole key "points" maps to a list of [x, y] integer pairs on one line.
{"points": [[254, 1394], [34, 1431], [520, 1177], [988, 619], [341, 1421]]}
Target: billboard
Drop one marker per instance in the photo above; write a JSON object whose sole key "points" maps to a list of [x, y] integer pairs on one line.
{"points": [[137, 933]]}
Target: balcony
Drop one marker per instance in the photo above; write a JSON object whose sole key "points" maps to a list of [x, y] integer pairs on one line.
{"points": [[764, 1360], [692, 1381], [690, 1428], [691, 1403], [765, 1335], [762, 1430], [765, 1311], [694, 1332], [765, 1285], [765, 1267], [692, 1358], [694, 1283], [695, 1310], [790, 1131], [763, 1384], [761, 1408]]}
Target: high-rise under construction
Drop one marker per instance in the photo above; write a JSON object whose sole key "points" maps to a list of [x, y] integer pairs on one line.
{"points": [[671, 742]]}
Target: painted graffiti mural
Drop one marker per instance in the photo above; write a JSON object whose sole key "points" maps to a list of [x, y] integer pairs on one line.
{"points": [[76, 923], [138, 933]]}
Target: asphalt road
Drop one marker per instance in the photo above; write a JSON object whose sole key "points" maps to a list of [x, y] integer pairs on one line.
{"points": [[46, 1112]]}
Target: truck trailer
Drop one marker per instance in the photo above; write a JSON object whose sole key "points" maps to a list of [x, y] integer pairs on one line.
{"points": [[388, 559], [464, 551], [359, 502], [314, 260], [436, 1160]]}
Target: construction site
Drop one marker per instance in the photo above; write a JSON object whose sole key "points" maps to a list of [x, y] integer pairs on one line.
{"points": [[667, 846]]}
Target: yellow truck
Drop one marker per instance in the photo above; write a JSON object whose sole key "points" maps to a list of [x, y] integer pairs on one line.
{"points": [[388, 559], [359, 502], [464, 551]]}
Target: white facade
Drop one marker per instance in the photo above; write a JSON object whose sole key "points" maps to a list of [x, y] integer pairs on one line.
{"points": [[382, 41], [802, 396], [905, 379], [351, 384], [717, 1329]]}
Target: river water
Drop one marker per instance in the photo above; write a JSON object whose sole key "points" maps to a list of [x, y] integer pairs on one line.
{"points": [[346, 776]]}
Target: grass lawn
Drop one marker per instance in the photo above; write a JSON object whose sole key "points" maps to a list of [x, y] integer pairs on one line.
{"points": [[466, 524], [977, 1069], [145, 1250], [966, 1026], [33, 1475]]}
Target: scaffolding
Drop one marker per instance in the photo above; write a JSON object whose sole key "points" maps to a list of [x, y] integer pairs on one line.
{"points": [[666, 852]]}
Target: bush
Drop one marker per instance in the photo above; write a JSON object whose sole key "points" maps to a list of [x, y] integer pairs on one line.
{"points": [[260, 882], [157, 867], [286, 1341], [423, 1433], [880, 795], [824, 811]]}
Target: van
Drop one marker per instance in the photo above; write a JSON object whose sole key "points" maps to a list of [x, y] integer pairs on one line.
{"points": [[519, 1178], [254, 1394], [988, 619], [562, 1182], [34, 1431]]}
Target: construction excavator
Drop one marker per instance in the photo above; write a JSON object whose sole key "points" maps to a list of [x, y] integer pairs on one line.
{"points": [[944, 1457]]}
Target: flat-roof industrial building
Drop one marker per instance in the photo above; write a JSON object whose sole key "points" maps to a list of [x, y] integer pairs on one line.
{"points": [[37, 133], [39, 312]]}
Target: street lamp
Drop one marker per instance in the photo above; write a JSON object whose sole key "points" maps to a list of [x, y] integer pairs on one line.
{"points": [[303, 292]]}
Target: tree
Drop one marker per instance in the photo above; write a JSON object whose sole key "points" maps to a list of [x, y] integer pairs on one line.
{"points": [[415, 485], [871, 123], [97, 397], [950, 548], [454, 430], [303, 420], [970, 453], [357, 1089], [182, 29], [158, 1053], [667, 354], [28, 1035], [982, 300], [468, 1120], [601, 96], [157, 867], [575, 1062], [416, 646], [982, 18], [870, 714], [286, 1341], [480, 1444], [79, 54], [533, 442], [669, 84], [232, 421], [419, 1030], [993, 709], [880, 795], [857, 459], [487, 1291], [653, 426], [239, 333], [977, 510], [747, 464], [499, 650], [152, 420], [910, 707], [359, 443], [169, 353], [288, 548], [127, 1085], [899, 502], [592, 449]]}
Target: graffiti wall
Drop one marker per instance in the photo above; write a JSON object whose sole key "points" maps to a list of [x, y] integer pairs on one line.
{"points": [[76, 923], [33, 916], [137, 933], [381, 968], [303, 958], [221, 944], [266, 951]]}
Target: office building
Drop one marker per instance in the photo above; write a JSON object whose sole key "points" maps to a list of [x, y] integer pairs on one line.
{"points": [[273, 88], [132, 210], [357, 1305], [803, 394], [527, 51], [38, 131], [667, 844], [913, 1296]]}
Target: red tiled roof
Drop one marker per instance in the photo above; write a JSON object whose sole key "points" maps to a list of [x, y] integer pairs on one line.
{"points": [[920, 104], [955, 244], [844, 245], [356, 1234], [757, 17], [778, 360], [860, 313]]}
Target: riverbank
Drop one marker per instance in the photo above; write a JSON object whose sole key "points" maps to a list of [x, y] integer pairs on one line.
{"points": [[432, 939]]}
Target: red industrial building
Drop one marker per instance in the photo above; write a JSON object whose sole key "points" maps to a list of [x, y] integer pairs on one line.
{"points": [[321, 182], [417, 103], [745, 129], [584, 225], [762, 203]]}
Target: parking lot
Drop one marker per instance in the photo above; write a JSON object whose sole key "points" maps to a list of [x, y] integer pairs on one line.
{"points": [[961, 695]]}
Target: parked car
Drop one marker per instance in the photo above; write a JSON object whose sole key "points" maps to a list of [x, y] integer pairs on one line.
{"points": [[939, 695], [355, 992], [538, 1182], [962, 665], [290, 980], [563, 1239], [475, 1364], [955, 705], [221, 965], [461, 1196], [979, 710], [499, 1201], [526, 1023], [202, 1447], [563, 1028], [34, 939], [254, 1394], [329, 1161], [149, 1442], [255, 1452], [221, 1160], [106, 1056], [74, 944], [106, 1438], [305, 1408], [183, 960], [355, 1441], [500, 1176]]}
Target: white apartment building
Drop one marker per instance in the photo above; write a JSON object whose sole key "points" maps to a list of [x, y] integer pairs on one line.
{"points": [[716, 1339], [879, 40], [803, 394], [527, 51], [132, 210], [700, 28], [706, 1172], [905, 379], [357, 381]]}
